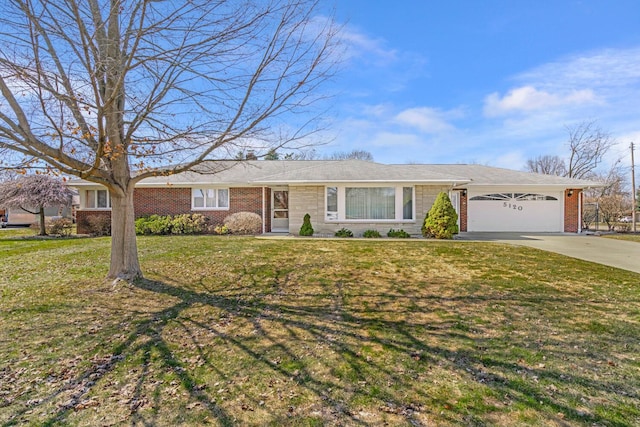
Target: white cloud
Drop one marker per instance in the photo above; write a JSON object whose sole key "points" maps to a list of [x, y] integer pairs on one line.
{"points": [[425, 119], [359, 44], [606, 68], [528, 98], [524, 119]]}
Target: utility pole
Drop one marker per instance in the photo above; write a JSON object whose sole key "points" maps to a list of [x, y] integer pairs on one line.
{"points": [[633, 191]]}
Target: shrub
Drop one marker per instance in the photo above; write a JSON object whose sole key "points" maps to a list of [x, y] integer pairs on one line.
{"points": [[166, 224], [398, 234], [98, 225], [188, 224], [306, 229], [60, 227], [441, 221], [244, 223], [371, 234], [154, 224], [142, 225], [220, 229], [622, 227], [343, 232]]}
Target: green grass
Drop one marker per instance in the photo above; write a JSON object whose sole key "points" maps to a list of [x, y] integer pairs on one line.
{"points": [[244, 331]]}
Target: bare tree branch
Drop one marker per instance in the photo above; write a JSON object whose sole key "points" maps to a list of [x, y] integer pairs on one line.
{"points": [[588, 144], [548, 165]]}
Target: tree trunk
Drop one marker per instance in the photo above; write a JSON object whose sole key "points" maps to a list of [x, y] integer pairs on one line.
{"points": [[43, 228], [124, 250]]}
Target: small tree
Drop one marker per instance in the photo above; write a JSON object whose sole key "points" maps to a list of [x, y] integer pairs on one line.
{"points": [[306, 229], [442, 220], [33, 193]]}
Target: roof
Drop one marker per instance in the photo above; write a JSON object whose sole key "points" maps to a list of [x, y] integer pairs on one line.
{"points": [[304, 172], [492, 176]]}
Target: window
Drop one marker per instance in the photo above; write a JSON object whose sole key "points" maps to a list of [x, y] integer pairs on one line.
{"points": [[210, 198], [98, 199], [332, 203], [407, 203], [514, 196], [369, 203]]}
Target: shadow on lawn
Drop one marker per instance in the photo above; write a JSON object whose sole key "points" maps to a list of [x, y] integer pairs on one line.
{"points": [[338, 329]]}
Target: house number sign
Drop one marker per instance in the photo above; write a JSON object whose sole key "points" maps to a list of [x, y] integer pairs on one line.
{"points": [[512, 206]]}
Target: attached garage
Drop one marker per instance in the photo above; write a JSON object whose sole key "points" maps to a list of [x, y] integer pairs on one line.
{"points": [[516, 211]]}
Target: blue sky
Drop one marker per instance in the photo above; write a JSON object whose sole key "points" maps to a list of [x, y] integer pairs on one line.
{"points": [[490, 82]]}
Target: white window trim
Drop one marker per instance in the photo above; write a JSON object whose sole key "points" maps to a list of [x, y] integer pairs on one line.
{"points": [[399, 192], [94, 195], [208, 208]]}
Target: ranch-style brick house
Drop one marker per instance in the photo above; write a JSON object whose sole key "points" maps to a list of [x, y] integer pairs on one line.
{"points": [[354, 194]]}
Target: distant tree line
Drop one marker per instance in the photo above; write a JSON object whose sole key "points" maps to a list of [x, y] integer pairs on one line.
{"points": [[311, 154]]}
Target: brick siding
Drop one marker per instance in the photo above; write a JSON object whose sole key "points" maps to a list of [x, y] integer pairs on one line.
{"points": [[161, 201], [571, 211], [176, 201], [463, 211]]}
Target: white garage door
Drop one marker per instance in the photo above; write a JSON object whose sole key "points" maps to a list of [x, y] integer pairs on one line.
{"points": [[532, 212]]}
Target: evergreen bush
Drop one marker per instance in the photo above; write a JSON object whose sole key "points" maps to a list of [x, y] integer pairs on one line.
{"points": [[167, 224], [188, 224], [306, 229], [371, 234], [398, 234], [441, 221], [219, 229], [344, 232], [159, 224]]}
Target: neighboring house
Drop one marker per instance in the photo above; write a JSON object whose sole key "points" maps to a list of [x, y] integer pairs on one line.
{"points": [[354, 194], [20, 217]]}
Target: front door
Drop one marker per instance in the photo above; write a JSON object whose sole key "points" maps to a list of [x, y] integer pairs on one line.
{"points": [[279, 210]]}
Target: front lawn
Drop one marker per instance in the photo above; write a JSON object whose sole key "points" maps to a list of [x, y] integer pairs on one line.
{"points": [[624, 236], [244, 331]]}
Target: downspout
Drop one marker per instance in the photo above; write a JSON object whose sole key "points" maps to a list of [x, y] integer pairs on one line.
{"points": [[264, 219], [580, 212]]}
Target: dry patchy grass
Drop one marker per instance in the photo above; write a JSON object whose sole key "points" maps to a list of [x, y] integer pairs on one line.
{"points": [[241, 331], [631, 237]]}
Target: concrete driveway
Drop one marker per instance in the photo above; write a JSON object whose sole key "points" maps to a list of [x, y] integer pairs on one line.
{"points": [[615, 253]]}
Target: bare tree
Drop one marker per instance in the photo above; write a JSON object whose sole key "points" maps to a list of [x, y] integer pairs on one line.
{"points": [[548, 165], [304, 154], [611, 198], [115, 91], [587, 144], [612, 207], [351, 155], [313, 154], [33, 193]]}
